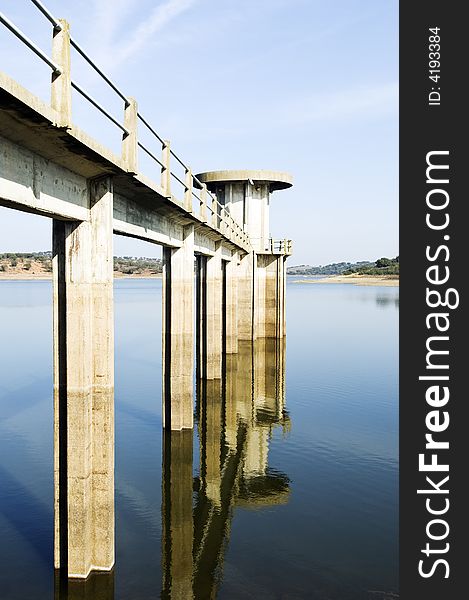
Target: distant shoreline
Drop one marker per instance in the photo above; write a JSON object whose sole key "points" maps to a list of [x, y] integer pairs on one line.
{"points": [[48, 276], [368, 280]]}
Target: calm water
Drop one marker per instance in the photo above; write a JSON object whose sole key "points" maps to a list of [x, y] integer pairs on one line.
{"points": [[293, 488]]}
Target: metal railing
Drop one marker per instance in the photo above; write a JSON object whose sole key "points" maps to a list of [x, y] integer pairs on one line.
{"points": [[203, 205], [280, 246]]}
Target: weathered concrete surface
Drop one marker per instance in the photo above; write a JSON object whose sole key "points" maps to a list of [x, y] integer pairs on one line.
{"points": [[130, 140], [84, 388], [178, 333], [270, 294], [29, 181], [61, 89], [214, 315], [231, 305], [201, 316], [245, 276]]}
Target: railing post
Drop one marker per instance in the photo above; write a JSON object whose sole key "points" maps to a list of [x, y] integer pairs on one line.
{"points": [[166, 170], [203, 203], [61, 86], [214, 207], [129, 140], [223, 220], [188, 191]]}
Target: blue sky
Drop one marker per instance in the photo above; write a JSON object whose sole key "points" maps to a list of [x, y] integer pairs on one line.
{"points": [[305, 86]]}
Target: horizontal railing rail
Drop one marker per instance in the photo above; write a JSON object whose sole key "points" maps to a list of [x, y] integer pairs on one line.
{"points": [[203, 204], [96, 104], [30, 44], [280, 246]]}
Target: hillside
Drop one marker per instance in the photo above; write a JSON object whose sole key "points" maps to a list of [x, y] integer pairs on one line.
{"points": [[331, 269], [38, 265], [382, 266]]}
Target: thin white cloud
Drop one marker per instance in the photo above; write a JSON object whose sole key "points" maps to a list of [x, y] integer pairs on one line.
{"points": [[117, 44], [109, 15]]}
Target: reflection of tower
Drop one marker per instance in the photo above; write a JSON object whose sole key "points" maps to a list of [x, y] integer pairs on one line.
{"points": [[268, 410], [235, 422]]}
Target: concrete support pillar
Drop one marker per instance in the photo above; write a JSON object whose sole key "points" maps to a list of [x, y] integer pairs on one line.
{"points": [[267, 295], [270, 296], [178, 333], [201, 316], [246, 270], [84, 388], [177, 516], [214, 315], [283, 304], [231, 305]]}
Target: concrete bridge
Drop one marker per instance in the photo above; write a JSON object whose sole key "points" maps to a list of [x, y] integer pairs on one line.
{"points": [[214, 230]]}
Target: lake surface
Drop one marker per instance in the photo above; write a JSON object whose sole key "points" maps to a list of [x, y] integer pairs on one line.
{"points": [[291, 475]]}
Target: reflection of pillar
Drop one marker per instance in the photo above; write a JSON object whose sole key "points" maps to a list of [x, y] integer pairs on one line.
{"points": [[177, 530], [257, 451], [178, 333], [214, 314], [231, 394], [84, 388], [232, 305], [268, 402], [212, 415], [269, 386], [98, 586]]}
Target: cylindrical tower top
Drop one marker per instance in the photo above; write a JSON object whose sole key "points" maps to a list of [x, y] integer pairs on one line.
{"points": [[277, 180], [245, 194]]}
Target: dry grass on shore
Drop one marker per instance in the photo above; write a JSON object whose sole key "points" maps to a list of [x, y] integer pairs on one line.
{"points": [[381, 280]]}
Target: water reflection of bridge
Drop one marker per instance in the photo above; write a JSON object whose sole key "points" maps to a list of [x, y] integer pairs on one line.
{"points": [[235, 418], [235, 422]]}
